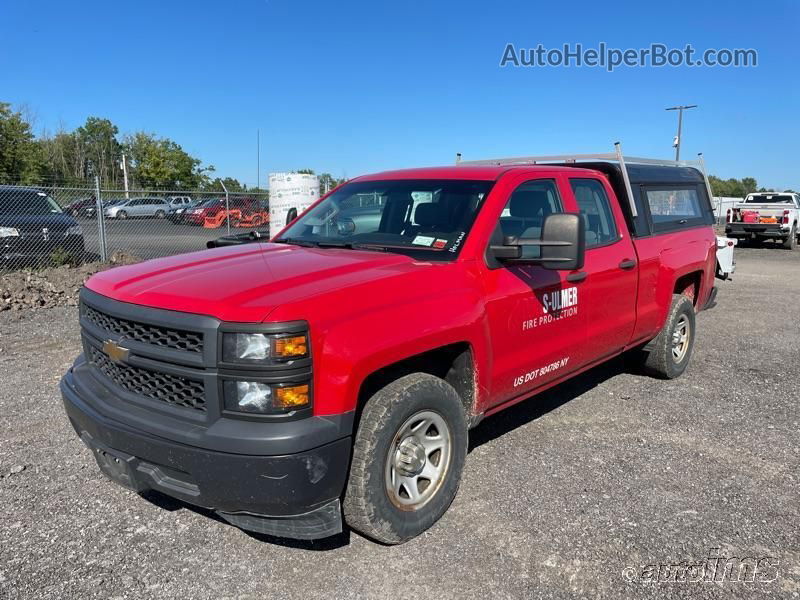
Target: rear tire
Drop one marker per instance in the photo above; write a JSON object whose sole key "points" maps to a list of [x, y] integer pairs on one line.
{"points": [[160, 214], [672, 348], [408, 455], [790, 242]]}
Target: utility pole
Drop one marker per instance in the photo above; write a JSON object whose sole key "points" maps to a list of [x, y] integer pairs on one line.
{"points": [[125, 175], [258, 159], [677, 141]]}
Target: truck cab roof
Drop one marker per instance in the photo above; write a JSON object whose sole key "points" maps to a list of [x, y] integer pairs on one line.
{"points": [[483, 173]]}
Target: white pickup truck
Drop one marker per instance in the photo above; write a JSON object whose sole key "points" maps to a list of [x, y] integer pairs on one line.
{"points": [[764, 216]]}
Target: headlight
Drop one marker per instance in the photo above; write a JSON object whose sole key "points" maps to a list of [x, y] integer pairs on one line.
{"points": [[263, 398], [256, 348], [8, 232], [75, 230]]}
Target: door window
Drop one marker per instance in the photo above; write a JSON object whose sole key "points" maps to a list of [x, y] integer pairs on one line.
{"points": [[595, 209], [526, 210]]}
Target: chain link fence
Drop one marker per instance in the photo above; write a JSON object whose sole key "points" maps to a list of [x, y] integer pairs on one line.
{"points": [[51, 226]]}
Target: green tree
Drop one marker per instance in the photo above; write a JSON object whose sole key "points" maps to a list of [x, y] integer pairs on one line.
{"points": [[20, 157], [327, 182], [734, 188], [98, 140], [161, 163], [232, 184]]}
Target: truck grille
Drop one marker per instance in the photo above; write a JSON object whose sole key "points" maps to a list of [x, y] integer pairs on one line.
{"points": [[147, 334], [177, 391]]}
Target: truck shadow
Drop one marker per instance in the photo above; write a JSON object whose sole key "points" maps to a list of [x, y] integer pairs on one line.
{"points": [[539, 405]]}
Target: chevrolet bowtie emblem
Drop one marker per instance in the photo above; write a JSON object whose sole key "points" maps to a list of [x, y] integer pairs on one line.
{"points": [[115, 352]]}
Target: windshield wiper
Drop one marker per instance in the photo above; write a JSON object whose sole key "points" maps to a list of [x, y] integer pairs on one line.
{"points": [[332, 244], [296, 242], [353, 246]]}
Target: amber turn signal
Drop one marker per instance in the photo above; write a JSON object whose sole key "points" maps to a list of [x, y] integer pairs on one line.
{"points": [[291, 347], [291, 397]]}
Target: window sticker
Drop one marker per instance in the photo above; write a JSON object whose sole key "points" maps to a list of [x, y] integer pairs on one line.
{"points": [[423, 240], [439, 244]]}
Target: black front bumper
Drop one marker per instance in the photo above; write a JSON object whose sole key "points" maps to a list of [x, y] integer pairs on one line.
{"points": [[29, 247], [293, 494]]}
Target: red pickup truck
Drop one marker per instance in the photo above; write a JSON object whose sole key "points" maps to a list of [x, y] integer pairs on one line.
{"points": [[332, 374]]}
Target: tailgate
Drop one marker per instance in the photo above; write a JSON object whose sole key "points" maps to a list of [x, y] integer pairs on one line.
{"points": [[762, 213]]}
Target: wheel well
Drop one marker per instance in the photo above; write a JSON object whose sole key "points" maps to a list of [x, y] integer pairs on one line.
{"points": [[453, 363], [689, 285]]}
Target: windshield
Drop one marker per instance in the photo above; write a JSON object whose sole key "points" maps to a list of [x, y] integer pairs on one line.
{"points": [[27, 202], [425, 218], [208, 202], [769, 198]]}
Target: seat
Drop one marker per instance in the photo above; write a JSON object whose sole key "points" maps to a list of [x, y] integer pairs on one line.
{"points": [[429, 217], [528, 209]]}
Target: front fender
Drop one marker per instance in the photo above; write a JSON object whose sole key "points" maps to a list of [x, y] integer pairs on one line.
{"points": [[355, 348]]}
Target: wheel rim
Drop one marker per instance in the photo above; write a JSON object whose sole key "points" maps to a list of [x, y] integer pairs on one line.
{"points": [[680, 339], [418, 460]]}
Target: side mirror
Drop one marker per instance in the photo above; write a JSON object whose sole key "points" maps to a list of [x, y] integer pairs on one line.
{"points": [[563, 244]]}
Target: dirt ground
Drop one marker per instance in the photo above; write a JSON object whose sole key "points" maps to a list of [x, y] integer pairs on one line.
{"points": [[27, 289], [574, 493]]}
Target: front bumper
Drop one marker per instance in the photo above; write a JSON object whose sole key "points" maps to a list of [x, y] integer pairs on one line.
{"points": [[30, 247], [292, 495]]}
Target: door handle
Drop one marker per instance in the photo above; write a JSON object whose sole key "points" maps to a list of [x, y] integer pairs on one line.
{"points": [[627, 264], [577, 277]]}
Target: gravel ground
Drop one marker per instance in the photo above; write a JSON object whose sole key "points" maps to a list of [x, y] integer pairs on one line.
{"points": [[568, 495]]}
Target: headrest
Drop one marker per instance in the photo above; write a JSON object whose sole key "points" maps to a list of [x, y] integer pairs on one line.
{"points": [[530, 204], [429, 214]]}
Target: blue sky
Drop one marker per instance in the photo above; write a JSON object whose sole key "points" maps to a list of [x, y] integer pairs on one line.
{"points": [[355, 87]]}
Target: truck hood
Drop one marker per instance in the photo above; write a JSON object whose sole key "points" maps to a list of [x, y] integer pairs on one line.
{"points": [[244, 283]]}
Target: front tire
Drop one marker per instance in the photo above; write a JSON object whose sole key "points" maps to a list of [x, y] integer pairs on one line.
{"points": [[122, 215], [408, 455], [160, 214], [672, 348]]}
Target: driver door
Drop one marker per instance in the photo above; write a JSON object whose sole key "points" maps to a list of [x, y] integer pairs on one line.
{"points": [[537, 324]]}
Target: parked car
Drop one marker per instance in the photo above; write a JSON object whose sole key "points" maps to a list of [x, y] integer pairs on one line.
{"points": [[78, 207], [138, 207], [766, 216], [90, 212], [330, 377], [33, 227], [179, 201], [177, 214], [214, 206]]}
